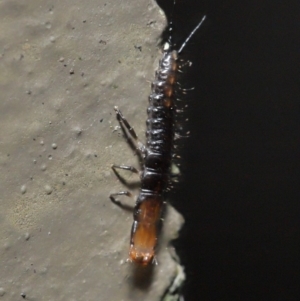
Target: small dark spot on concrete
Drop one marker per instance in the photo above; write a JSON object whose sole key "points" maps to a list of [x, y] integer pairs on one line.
{"points": [[78, 133], [82, 74], [95, 155], [84, 21], [23, 295], [64, 183], [72, 71], [101, 120], [102, 42], [138, 48], [73, 28], [28, 92], [65, 65], [151, 23], [119, 62], [8, 155], [21, 57], [66, 174], [42, 103]]}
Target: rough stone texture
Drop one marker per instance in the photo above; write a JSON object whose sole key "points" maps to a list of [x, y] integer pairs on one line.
{"points": [[64, 65]]}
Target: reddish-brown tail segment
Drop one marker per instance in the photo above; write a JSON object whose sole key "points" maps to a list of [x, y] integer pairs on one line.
{"points": [[145, 230]]}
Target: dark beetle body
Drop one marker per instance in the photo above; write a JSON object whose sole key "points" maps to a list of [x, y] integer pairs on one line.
{"points": [[157, 156], [157, 161]]}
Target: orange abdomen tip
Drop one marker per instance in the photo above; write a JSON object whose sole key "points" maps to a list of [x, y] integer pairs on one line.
{"points": [[143, 242]]}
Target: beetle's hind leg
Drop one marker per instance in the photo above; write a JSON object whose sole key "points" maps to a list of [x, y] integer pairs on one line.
{"points": [[122, 179], [113, 195], [118, 202]]}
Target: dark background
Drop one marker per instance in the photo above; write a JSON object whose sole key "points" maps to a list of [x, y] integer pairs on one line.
{"points": [[240, 189]]}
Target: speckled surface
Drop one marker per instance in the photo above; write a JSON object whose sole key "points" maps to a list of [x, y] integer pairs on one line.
{"points": [[64, 65]]}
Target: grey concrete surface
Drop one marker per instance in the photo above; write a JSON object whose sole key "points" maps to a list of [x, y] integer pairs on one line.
{"points": [[64, 65]]}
